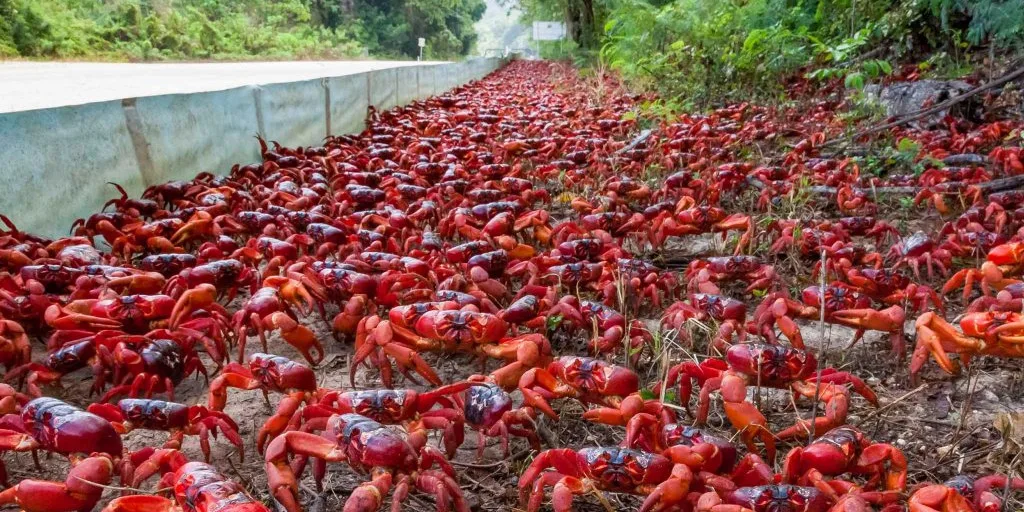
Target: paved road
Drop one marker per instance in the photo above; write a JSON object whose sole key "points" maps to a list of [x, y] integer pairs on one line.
{"points": [[35, 85]]}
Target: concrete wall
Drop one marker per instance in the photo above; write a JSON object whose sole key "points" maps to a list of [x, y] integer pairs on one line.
{"points": [[55, 163]]}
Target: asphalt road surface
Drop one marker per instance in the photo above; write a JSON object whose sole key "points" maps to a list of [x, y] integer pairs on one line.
{"points": [[36, 85]]}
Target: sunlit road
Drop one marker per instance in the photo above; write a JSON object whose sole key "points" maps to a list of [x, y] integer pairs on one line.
{"points": [[35, 85]]}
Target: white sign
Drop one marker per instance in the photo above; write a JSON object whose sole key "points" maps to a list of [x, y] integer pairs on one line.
{"points": [[422, 42], [548, 31]]}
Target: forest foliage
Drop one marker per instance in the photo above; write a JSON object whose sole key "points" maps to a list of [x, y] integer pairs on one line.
{"points": [[709, 51], [236, 29]]}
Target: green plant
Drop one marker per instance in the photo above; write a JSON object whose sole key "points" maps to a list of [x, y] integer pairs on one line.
{"points": [[221, 29]]}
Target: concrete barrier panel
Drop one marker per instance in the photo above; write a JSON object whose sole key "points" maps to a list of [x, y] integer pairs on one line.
{"points": [[407, 80], [446, 77], [295, 113], [383, 89], [349, 99], [191, 133], [56, 163], [430, 85]]}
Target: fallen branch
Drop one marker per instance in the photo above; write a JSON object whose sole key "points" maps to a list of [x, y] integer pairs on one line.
{"points": [[640, 139], [1008, 77]]}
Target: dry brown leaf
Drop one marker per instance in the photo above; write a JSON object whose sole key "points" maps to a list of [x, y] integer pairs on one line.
{"points": [[1011, 426]]}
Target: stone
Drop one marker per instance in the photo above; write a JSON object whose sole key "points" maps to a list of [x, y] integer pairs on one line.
{"points": [[907, 98]]}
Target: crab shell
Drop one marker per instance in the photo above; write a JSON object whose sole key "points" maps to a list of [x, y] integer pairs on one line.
{"points": [[154, 414], [621, 469], [979, 325], [1007, 254], [486, 404], [837, 298], [199, 487], [676, 434], [719, 307], [369, 444], [774, 365], [64, 428], [732, 265], [595, 376], [771, 498], [461, 326], [833, 452], [387, 406], [134, 310], [280, 373]]}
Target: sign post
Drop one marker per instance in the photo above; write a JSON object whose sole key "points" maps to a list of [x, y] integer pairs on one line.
{"points": [[547, 31], [421, 42]]}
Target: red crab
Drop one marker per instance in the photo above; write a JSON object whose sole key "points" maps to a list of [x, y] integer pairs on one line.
{"points": [[701, 219], [842, 305], [665, 481], [587, 379], [729, 314], [52, 425], [197, 487], [1002, 263], [405, 407], [703, 275], [768, 366], [993, 333], [963, 493], [393, 458], [269, 309], [919, 248], [267, 372], [153, 363], [178, 419], [845, 450]]}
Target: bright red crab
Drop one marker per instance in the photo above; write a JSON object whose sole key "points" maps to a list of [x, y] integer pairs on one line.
{"points": [[729, 315], [846, 450], [407, 407], [842, 305], [664, 481], [179, 420], [768, 366], [269, 309], [267, 373], [52, 425], [586, 379], [197, 487], [390, 455], [993, 333], [963, 493], [698, 220], [704, 275]]}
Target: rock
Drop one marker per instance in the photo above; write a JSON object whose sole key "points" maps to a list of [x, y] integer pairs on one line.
{"points": [[905, 98], [989, 396]]}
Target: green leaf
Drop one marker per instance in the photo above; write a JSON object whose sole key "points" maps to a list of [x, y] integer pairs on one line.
{"points": [[906, 145], [871, 68], [854, 81], [554, 322]]}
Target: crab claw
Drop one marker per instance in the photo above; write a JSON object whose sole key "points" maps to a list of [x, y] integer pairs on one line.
{"points": [[298, 336], [196, 298], [888, 320]]}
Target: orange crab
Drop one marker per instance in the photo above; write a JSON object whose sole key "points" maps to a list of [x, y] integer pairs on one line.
{"points": [[1001, 264], [992, 333]]}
